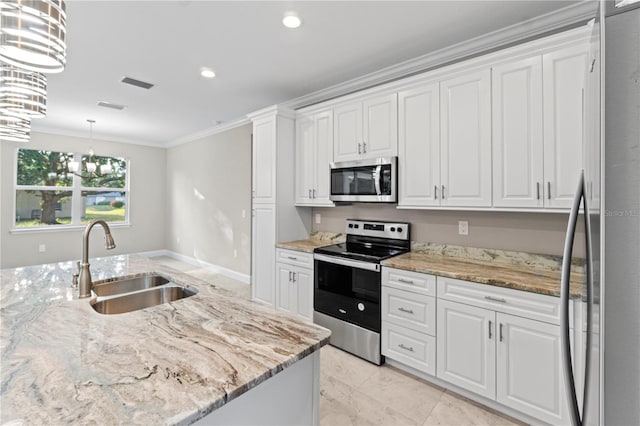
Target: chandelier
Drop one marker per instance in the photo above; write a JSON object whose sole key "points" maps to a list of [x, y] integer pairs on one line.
{"points": [[90, 165]]}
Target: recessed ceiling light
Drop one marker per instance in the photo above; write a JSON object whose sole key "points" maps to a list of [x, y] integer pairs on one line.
{"points": [[207, 72], [291, 20]]}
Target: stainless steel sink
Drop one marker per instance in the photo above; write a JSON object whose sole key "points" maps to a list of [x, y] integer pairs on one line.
{"points": [[140, 300], [127, 285]]}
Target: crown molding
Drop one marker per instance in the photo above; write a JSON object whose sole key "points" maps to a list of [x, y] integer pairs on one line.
{"points": [[96, 136], [208, 132], [542, 25], [281, 110]]}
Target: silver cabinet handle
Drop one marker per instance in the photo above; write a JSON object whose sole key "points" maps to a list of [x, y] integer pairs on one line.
{"points": [[496, 299], [364, 147], [292, 257], [409, 348], [289, 276], [435, 192], [537, 190], [359, 148], [443, 192], [294, 277], [314, 194], [310, 194], [549, 190], [404, 280], [408, 311], [501, 332], [489, 329]]}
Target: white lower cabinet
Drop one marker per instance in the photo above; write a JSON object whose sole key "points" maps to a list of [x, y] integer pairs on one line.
{"points": [[409, 318], [509, 358], [294, 283]]}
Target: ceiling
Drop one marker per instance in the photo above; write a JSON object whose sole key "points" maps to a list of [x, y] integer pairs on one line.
{"points": [[258, 62]]}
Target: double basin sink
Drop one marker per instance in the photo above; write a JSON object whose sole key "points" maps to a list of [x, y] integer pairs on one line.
{"points": [[132, 294]]}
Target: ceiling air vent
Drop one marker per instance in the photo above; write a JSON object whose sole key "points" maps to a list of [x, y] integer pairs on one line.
{"points": [[137, 83], [110, 105]]}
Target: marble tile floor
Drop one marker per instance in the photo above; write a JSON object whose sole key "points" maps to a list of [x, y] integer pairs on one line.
{"points": [[356, 392]]}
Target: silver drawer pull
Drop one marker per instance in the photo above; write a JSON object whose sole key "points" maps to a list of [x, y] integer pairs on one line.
{"points": [[292, 257], [410, 348], [402, 280], [408, 311], [495, 299]]}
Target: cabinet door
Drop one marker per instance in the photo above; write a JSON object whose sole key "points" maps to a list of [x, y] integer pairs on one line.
{"points": [[323, 128], [263, 241], [517, 134], [529, 375], [465, 135], [380, 127], [563, 81], [303, 283], [285, 290], [419, 146], [304, 159], [347, 132], [466, 347], [264, 161]]}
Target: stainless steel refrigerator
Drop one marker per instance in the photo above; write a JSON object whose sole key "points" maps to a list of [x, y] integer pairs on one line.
{"points": [[607, 206]]}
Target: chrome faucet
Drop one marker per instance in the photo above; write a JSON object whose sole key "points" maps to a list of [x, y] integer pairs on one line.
{"points": [[85, 274]]}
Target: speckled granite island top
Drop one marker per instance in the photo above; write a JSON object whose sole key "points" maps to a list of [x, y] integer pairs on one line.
{"points": [[169, 364], [520, 271]]}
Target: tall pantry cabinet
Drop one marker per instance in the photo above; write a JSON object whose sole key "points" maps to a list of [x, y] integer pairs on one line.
{"points": [[274, 216]]}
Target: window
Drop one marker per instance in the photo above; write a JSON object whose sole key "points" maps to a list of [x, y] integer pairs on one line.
{"points": [[48, 194]]}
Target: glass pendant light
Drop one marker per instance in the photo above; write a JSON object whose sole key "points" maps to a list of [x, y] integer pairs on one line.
{"points": [[32, 34], [23, 92]]}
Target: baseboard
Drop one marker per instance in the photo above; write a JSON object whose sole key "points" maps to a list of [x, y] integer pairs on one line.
{"points": [[211, 267]]}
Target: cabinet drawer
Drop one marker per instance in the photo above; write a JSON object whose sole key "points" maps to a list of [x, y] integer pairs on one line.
{"points": [[293, 257], [410, 281], [410, 310], [516, 302], [414, 349]]}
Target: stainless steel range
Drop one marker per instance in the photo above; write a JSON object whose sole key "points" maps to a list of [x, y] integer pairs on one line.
{"points": [[347, 284]]}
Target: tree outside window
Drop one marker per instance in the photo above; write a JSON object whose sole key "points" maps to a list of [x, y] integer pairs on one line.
{"points": [[47, 193]]}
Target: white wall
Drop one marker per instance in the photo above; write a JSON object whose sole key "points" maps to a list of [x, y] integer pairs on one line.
{"points": [[530, 232], [208, 189], [146, 205]]}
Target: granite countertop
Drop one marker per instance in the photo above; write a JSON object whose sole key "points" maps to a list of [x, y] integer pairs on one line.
{"points": [[315, 240], [520, 271], [170, 364]]}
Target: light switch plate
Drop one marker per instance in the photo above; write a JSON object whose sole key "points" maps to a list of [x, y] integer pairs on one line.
{"points": [[318, 218], [463, 227]]}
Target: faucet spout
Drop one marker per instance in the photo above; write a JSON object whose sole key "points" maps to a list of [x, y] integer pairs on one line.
{"points": [[85, 273]]}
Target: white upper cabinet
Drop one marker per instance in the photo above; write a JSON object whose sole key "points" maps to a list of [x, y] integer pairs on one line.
{"points": [[517, 134], [366, 129], [264, 161], [465, 140], [563, 83], [419, 146], [314, 151]]}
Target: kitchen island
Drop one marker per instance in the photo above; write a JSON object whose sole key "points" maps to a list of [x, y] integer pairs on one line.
{"points": [[211, 357]]}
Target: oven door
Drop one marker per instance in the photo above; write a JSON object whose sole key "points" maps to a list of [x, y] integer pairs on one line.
{"points": [[366, 181], [348, 290]]}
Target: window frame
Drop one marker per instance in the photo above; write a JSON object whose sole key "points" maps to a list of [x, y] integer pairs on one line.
{"points": [[76, 197]]}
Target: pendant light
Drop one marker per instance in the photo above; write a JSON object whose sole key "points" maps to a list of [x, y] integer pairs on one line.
{"points": [[32, 34], [90, 165], [14, 127], [23, 92]]}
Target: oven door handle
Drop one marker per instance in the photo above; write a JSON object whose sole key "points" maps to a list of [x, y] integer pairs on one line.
{"points": [[348, 262], [378, 180]]}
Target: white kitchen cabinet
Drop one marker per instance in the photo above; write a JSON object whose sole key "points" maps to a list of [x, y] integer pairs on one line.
{"points": [[294, 287], [419, 146], [274, 216], [466, 347], [515, 359], [563, 83], [517, 134], [366, 129], [314, 152], [408, 310], [465, 140]]}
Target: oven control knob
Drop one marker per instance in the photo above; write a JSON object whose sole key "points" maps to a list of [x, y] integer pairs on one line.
{"points": [[361, 307], [393, 229], [356, 226], [351, 225], [399, 229]]}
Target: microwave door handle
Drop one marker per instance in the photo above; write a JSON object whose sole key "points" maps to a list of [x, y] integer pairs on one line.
{"points": [[378, 179]]}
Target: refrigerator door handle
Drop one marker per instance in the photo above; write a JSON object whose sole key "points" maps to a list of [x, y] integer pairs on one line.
{"points": [[570, 386]]}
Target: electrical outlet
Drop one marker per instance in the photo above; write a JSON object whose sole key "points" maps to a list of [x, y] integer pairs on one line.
{"points": [[318, 218], [244, 213], [235, 252], [463, 227], [42, 248]]}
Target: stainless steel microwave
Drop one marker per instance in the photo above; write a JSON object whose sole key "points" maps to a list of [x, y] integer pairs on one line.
{"points": [[369, 181]]}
